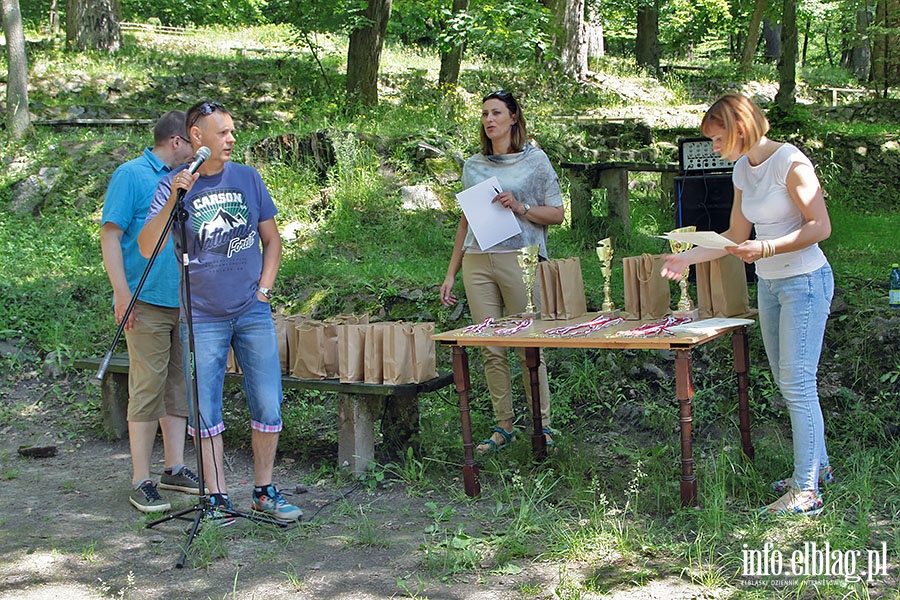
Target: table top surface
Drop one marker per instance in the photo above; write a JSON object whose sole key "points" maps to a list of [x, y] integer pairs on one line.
{"points": [[613, 336]]}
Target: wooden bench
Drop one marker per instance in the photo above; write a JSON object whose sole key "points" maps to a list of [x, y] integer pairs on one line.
{"points": [[837, 91], [612, 176], [359, 406]]}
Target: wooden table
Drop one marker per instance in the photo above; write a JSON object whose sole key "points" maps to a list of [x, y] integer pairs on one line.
{"points": [[532, 339]]}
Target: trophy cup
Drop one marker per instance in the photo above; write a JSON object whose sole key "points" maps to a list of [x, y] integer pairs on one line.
{"points": [[685, 305], [528, 261], [605, 254]]}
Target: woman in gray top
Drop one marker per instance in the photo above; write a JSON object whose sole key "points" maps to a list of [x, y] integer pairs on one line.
{"points": [[492, 276]]}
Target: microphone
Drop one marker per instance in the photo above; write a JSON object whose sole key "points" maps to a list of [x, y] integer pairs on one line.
{"points": [[199, 159]]}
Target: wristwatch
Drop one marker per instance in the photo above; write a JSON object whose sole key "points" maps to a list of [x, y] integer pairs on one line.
{"points": [[267, 292], [527, 208]]}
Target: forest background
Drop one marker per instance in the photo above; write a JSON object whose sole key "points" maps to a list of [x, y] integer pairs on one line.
{"points": [[602, 514]]}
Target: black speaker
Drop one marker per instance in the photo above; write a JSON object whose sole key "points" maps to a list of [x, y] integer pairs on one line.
{"points": [[704, 201]]}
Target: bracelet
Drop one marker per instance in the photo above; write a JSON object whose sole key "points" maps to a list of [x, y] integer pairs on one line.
{"points": [[768, 249]]}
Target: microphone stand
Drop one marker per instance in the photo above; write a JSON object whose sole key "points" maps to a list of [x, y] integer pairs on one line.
{"points": [[204, 502]]}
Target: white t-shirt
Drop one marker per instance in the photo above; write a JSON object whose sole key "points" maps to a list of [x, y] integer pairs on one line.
{"points": [[766, 202]]}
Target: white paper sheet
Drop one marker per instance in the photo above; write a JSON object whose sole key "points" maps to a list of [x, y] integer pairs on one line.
{"points": [[704, 325], [704, 239], [490, 221]]}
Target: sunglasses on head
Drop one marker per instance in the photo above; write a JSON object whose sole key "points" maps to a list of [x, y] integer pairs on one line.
{"points": [[207, 108], [499, 95]]}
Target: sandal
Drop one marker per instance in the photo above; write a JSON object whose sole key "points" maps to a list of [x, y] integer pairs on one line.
{"points": [[826, 476], [489, 445], [549, 436], [795, 502]]}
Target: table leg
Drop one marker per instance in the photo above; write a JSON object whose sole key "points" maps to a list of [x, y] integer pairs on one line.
{"points": [[742, 370], [538, 441], [684, 389], [471, 482]]}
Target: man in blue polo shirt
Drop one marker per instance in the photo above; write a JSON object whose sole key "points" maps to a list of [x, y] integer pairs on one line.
{"points": [[156, 385]]}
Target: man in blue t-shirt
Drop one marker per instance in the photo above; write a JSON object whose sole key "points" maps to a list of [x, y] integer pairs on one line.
{"points": [[233, 252], [156, 393]]}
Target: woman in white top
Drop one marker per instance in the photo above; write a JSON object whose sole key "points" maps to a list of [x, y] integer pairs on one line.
{"points": [[492, 276], [777, 191]]}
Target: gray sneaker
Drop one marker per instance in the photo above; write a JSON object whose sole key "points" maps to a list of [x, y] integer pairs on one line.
{"points": [[147, 499], [184, 481], [273, 504]]}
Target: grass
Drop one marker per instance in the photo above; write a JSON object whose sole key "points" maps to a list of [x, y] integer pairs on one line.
{"points": [[608, 497]]}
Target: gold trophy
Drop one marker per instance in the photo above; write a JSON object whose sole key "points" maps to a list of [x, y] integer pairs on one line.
{"points": [[528, 261], [685, 305], [605, 254]]}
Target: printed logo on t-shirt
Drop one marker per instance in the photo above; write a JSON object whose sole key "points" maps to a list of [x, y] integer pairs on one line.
{"points": [[220, 222]]}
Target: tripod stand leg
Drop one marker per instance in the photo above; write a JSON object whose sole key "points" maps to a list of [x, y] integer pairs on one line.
{"points": [[195, 528]]}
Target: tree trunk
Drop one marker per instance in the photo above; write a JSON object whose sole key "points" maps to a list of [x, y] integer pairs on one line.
{"points": [[452, 61], [861, 54], [18, 120], [571, 38], [364, 54], [93, 25], [772, 37], [647, 43], [885, 56], [759, 7], [787, 65], [54, 18]]}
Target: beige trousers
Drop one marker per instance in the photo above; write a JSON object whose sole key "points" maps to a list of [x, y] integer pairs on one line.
{"points": [[494, 288]]}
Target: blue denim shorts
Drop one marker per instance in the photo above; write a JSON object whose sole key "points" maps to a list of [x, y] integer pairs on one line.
{"points": [[252, 335]]}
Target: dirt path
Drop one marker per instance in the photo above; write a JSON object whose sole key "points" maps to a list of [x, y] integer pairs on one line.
{"points": [[67, 531]]}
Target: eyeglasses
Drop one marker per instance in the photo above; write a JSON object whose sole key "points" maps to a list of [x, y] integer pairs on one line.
{"points": [[184, 139], [499, 95], [207, 108]]}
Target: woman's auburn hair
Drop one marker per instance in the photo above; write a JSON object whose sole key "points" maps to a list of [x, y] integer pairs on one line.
{"points": [[518, 134], [743, 122]]}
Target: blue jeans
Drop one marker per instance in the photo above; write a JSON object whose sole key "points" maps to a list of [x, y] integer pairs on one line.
{"points": [[252, 334], [792, 316]]}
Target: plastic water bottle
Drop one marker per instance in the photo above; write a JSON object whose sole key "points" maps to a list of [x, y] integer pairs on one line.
{"points": [[895, 287]]}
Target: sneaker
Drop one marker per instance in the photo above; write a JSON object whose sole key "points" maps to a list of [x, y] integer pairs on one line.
{"points": [[826, 477], [147, 499], [273, 504], [216, 514], [795, 502], [184, 481]]}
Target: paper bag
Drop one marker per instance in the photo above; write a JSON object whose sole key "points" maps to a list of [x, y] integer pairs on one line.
{"points": [[397, 353], [647, 293], [308, 356], [231, 363], [283, 335], [332, 360], [424, 361], [373, 368], [570, 300], [547, 275], [351, 352], [722, 288]]}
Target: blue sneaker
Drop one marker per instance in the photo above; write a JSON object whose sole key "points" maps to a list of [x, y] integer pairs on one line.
{"points": [[272, 504]]}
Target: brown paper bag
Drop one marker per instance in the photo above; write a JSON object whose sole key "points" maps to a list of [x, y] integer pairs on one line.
{"points": [[548, 274], [283, 336], [647, 293], [231, 363], [397, 353], [373, 369], [722, 287], [570, 299], [332, 359], [308, 356], [351, 352], [423, 355]]}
